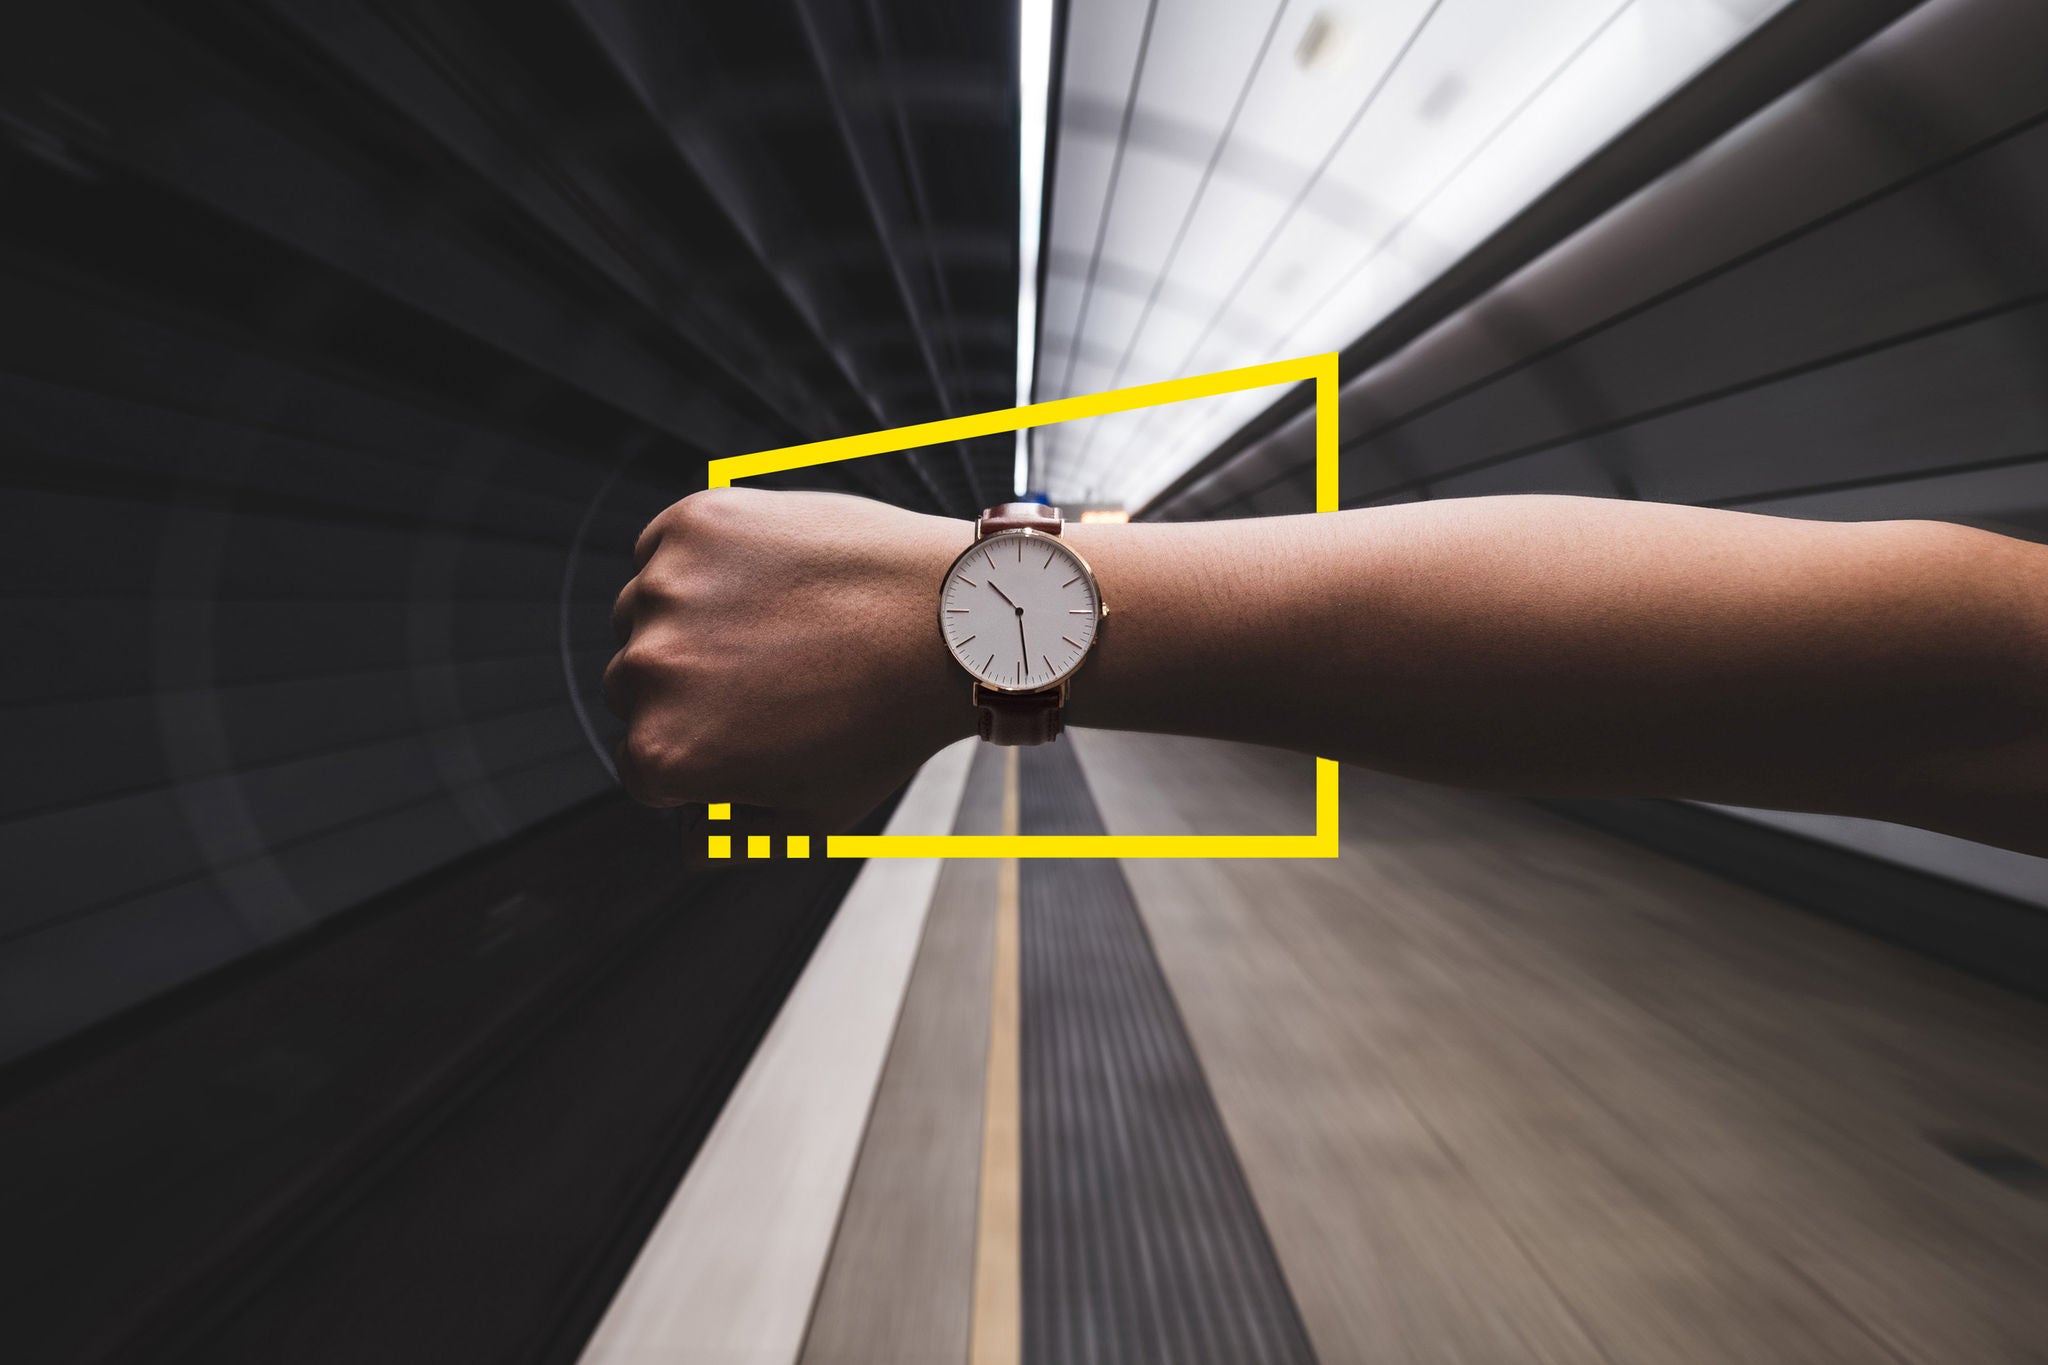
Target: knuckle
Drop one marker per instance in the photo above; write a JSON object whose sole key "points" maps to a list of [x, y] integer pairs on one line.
{"points": [[611, 687], [641, 670], [683, 520], [641, 657], [659, 587], [702, 508], [658, 766]]}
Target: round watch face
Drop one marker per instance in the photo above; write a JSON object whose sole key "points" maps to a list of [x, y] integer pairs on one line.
{"points": [[1019, 610]]}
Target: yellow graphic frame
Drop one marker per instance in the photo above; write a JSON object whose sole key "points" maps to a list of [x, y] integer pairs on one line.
{"points": [[1319, 369]]}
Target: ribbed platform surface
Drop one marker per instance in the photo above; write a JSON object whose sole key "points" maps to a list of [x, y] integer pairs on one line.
{"points": [[1140, 1238]]}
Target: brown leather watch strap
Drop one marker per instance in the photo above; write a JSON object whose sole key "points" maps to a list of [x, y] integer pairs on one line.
{"points": [[1021, 516], [1016, 718]]}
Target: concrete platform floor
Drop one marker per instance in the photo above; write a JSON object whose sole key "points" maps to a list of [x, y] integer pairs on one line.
{"points": [[1506, 1089]]}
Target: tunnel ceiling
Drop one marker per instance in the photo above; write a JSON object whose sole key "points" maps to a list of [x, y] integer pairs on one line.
{"points": [[835, 186], [733, 226], [1244, 182], [852, 184], [832, 186], [1837, 311]]}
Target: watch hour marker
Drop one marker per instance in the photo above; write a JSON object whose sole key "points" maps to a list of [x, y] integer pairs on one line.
{"points": [[1080, 611], [958, 608], [1071, 581], [1020, 549], [1048, 663], [1071, 640], [969, 640], [989, 557], [968, 581], [1048, 559], [990, 664]]}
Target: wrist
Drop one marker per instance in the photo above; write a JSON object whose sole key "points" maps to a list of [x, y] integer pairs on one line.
{"points": [[929, 684], [1103, 691], [1170, 620]]}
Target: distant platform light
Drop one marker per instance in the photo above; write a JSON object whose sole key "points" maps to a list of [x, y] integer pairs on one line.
{"points": [[1325, 44], [1106, 514]]}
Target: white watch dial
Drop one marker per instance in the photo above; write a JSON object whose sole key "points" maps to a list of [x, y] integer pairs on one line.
{"points": [[1019, 610]]}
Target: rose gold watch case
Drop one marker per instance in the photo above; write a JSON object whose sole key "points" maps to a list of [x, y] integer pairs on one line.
{"points": [[1023, 532]]}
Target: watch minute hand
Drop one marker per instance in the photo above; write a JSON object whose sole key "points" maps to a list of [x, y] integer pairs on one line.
{"points": [[1000, 593]]}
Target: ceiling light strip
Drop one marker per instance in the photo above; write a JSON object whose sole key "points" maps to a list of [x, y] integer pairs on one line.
{"points": [[1287, 216], [1116, 166], [1034, 79], [1187, 221], [1168, 450], [1373, 252]]}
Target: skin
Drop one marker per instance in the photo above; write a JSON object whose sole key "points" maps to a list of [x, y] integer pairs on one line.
{"points": [[781, 651]]}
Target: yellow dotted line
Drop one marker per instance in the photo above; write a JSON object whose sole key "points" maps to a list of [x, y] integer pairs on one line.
{"points": [[758, 845]]}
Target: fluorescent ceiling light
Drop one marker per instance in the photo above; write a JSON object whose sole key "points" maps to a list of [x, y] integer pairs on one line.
{"points": [[1249, 181], [1034, 75]]}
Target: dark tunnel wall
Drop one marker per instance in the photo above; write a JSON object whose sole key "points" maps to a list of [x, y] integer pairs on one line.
{"points": [[345, 350]]}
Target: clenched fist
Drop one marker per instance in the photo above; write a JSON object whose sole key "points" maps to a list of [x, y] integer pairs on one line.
{"points": [[780, 650]]}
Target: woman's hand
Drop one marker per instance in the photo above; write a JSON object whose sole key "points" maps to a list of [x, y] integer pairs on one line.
{"points": [[782, 650]]}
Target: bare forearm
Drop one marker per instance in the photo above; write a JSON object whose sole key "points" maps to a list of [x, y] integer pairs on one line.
{"points": [[779, 651], [1580, 645]]}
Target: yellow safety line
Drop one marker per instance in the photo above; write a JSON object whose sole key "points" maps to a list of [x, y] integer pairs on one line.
{"points": [[1321, 370], [996, 1336]]}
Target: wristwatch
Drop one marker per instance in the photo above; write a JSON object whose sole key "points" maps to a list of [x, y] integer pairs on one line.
{"points": [[1019, 610]]}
